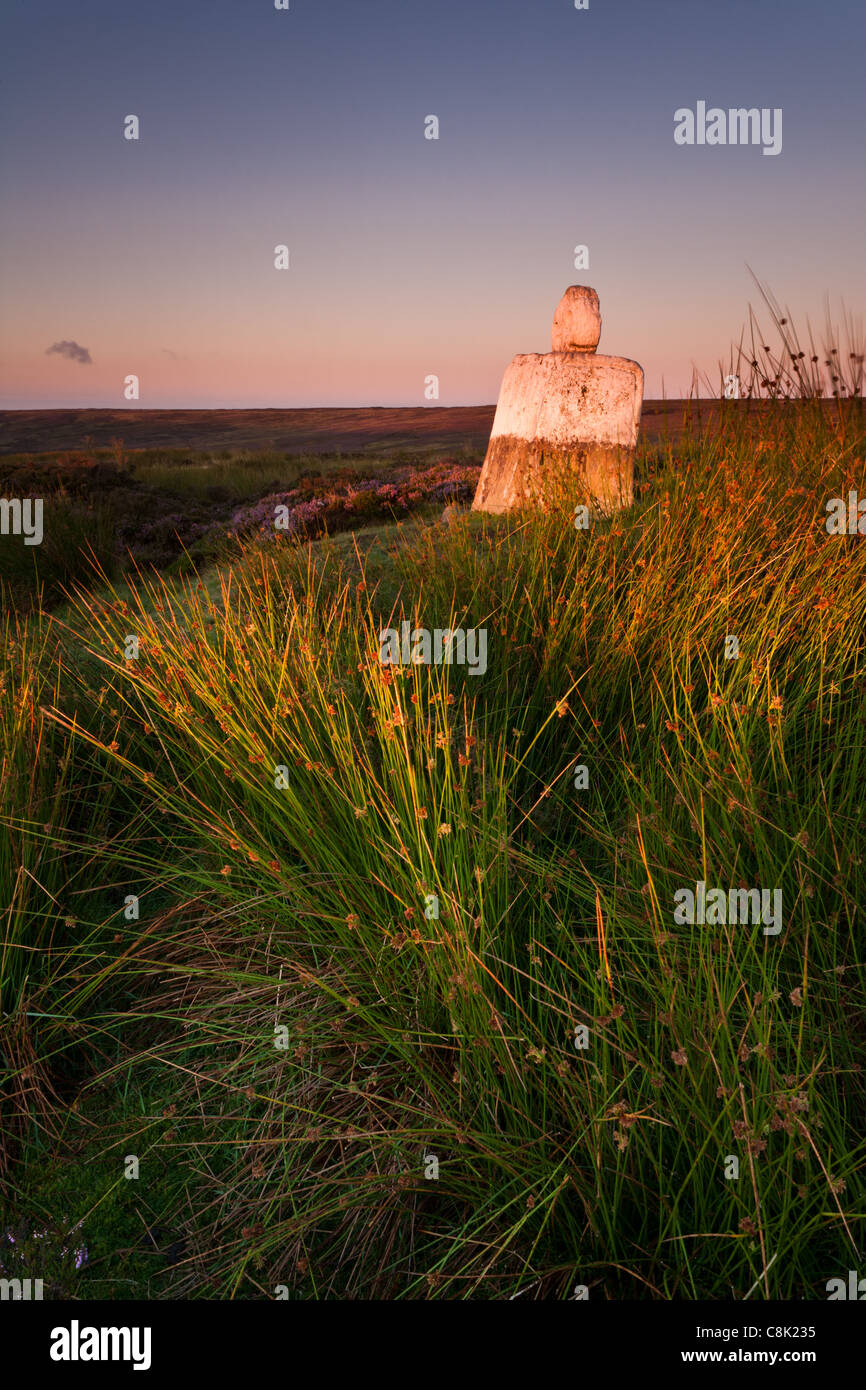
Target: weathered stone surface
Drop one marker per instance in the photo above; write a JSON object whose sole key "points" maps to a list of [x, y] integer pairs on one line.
{"points": [[562, 414], [577, 321]]}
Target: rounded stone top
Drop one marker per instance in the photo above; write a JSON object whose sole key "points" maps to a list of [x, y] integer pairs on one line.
{"points": [[577, 321]]}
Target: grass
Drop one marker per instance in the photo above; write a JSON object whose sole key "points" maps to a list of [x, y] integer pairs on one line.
{"points": [[54, 800], [288, 1034], [111, 512]]}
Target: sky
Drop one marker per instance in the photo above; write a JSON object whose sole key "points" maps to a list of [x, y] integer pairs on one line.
{"points": [[409, 258]]}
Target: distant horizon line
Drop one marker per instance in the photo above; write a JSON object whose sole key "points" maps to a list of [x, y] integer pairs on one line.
{"points": [[214, 409]]}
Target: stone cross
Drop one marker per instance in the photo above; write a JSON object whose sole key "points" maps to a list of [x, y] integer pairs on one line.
{"points": [[565, 412]]}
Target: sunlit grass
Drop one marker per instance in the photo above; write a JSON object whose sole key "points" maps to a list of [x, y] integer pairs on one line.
{"points": [[303, 901]]}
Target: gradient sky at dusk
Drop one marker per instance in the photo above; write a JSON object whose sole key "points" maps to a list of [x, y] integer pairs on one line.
{"points": [[408, 256]]}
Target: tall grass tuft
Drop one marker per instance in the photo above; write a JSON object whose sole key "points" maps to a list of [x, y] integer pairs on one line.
{"points": [[389, 911], [54, 805]]}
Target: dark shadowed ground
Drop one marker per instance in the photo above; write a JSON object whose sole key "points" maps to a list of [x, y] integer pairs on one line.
{"points": [[255, 431], [365, 430]]}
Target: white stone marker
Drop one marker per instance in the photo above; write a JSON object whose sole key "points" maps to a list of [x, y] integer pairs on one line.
{"points": [[564, 412]]}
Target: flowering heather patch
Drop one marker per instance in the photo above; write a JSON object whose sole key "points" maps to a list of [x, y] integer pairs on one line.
{"points": [[153, 511], [28, 1254], [346, 500]]}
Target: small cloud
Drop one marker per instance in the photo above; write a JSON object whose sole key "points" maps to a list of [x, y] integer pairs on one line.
{"points": [[74, 351], [168, 352]]}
